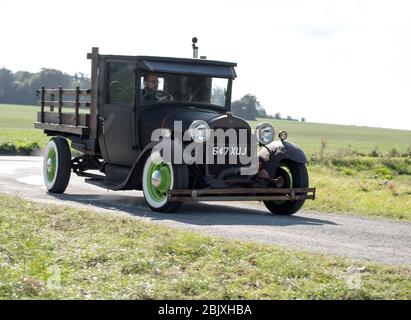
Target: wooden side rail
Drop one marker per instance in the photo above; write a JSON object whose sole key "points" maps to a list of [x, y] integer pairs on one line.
{"points": [[65, 104], [55, 98], [66, 92]]}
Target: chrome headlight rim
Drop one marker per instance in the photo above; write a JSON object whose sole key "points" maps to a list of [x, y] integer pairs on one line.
{"points": [[283, 135], [265, 133], [199, 131]]}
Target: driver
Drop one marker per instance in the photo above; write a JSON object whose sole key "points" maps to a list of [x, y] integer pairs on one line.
{"points": [[150, 92]]}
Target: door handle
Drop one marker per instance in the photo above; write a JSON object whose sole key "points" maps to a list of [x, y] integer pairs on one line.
{"points": [[101, 119]]}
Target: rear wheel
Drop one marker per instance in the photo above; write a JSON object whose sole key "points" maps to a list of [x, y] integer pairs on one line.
{"points": [[294, 175], [158, 178], [57, 165]]}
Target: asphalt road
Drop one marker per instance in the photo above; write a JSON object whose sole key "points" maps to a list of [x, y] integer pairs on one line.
{"points": [[342, 234]]}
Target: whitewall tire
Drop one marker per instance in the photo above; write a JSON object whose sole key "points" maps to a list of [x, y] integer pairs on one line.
{"points": [[57, 165], [158, 178]]}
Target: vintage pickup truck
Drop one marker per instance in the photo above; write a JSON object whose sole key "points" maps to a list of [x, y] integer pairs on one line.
{"points": [[138, 103]]}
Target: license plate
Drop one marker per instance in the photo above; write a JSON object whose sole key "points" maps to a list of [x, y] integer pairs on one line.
{"points": [[231, 151]]}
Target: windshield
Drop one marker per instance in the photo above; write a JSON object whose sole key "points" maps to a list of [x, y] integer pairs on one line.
{"points": [[166, 88]]}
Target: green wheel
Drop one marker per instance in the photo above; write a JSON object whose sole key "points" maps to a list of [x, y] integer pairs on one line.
{"points": [[294, 175], [57, 165], [160, 177]]}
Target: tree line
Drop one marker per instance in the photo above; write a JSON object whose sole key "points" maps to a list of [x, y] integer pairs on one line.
{"points": [[249, 108], [20, 87]]}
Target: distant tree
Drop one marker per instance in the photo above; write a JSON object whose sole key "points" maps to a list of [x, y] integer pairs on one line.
{"points": [[20, 87], [248, 107], [7, 86], [261, 113], [51, 78], [291, 118], [302, 119], [81, 79], [239, 109], [277, 115], [218, 96]]}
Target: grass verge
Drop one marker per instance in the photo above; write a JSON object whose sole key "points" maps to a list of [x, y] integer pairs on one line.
{"points": [[21, 141], [360, 193], [50, 252]]}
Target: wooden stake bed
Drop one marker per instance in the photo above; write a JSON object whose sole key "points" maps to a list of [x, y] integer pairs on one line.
{"points": [[74, 122], [58, 118]]}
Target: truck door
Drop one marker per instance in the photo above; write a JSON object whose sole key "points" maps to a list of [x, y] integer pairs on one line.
{"points": [[117, 112]]}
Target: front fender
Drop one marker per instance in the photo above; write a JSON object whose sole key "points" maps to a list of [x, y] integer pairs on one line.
{"points": [[277, 151], [133, 180]]}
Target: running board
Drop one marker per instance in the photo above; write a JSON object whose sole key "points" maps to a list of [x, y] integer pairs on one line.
{"points": [[103, 183], [244, 194]]}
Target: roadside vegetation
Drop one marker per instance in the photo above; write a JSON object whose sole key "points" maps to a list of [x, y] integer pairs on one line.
{"points": [[358, 192], [56, 252], [17, 134], [372, 184], [355, 169]]}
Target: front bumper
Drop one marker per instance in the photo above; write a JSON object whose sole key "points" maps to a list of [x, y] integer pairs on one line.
{"points": [[241, 194]]}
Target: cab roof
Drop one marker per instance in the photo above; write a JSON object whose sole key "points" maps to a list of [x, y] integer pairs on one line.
{"points": [[201, 67]]}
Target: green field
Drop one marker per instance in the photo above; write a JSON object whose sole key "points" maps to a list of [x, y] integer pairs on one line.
{"points": [[53, 252], [356, 169], [15, 118], [361, 139], [17, 129]]}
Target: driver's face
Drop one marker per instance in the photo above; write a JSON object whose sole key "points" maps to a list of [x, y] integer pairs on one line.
{"points": [[152, 82]]}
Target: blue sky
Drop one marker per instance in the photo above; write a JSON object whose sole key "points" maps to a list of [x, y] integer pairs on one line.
{"points": [[345, 62]]}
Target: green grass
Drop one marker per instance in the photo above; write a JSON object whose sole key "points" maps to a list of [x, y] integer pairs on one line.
{"points": [[49, 252], [18, 116], [361, 192], [377, 186], [17, 133]]}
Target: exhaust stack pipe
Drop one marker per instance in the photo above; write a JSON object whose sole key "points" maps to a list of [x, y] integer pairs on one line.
{"points": [[195, 48]]}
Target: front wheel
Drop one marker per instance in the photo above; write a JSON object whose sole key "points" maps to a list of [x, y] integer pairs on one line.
{"points": [[158, 178], [57, 165], [293, 175]]}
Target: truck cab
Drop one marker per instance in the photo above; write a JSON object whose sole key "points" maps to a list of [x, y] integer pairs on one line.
{"points": [[129, 112]]}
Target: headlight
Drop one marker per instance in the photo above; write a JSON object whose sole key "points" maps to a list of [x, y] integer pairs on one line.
{"points": [[265, 133], [166, 133], [283, 135], [199, 131]]}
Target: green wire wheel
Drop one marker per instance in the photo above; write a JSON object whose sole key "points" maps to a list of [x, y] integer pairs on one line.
{"points": [[293, 175], [57, 165], [158, 178]]}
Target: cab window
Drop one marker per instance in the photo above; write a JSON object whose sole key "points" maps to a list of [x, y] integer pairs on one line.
{"points": [[167, 88], [120, 83]]}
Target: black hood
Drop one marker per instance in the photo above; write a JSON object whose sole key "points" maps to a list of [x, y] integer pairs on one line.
{"points": [[164, 115]]}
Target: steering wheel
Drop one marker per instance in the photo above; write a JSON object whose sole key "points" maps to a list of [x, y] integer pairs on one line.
{"points": [[158, 95], [163, 96]]}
